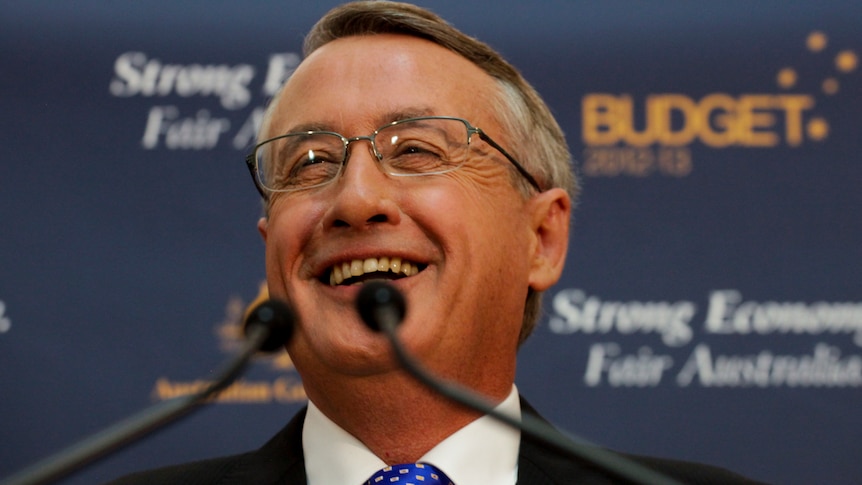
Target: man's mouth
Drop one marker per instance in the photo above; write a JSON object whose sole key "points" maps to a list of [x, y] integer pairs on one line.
{"points": [[360, 270]]}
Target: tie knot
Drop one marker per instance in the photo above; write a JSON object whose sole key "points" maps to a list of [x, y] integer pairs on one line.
{"points": [[410, 474]]}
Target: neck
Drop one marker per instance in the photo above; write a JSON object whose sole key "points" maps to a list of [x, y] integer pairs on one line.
{"points": [[416, 418]]}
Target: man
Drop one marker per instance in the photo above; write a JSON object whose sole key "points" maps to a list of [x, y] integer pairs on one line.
{"points": [[404, 150]]}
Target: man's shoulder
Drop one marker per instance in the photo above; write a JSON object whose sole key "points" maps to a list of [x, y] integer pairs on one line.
{"points": [[541, 464], [206, 471], [280, 460], [692, 472], [538, 464], [253, 467]]}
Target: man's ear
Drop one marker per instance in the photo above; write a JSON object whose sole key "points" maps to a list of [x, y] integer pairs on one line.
{"points": [[551, 213], [261, 227]]}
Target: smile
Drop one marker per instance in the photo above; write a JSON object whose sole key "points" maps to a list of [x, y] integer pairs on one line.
{"points": [[359, 270]]}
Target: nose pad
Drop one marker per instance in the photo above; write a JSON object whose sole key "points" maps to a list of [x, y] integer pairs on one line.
{"points": [[371, 149]]}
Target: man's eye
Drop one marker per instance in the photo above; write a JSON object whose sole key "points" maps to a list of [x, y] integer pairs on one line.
{"points": [[416, 158], [313, 157], [419, 148], [310, 159]]}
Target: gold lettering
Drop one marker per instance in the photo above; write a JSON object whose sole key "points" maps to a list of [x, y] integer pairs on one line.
{"points": [[247, 392], [238, 392], [600, 117], [793, 105], [751, 117], [718, 120], [612, 161], [725, 106], [626, 123], [165, 389], [661, 114]]}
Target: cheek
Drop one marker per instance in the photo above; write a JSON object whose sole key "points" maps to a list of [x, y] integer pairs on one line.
{"points": [[290, 227], [276, 247], [475, 222], [480, 190]]}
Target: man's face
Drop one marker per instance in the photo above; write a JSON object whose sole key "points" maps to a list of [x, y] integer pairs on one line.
{"points": [[466, 233]]}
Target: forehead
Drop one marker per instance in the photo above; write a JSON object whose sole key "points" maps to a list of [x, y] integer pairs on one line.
{"points": [[356, 84]]}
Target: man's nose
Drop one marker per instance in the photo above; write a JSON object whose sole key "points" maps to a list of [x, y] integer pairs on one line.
{"points": [[364, 194]]}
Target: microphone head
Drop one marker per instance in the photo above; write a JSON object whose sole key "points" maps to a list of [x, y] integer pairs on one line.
{"points": [[277, 317], [378, 300]]}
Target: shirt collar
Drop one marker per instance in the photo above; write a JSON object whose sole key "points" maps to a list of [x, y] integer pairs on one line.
{"points": [[483, 452]]}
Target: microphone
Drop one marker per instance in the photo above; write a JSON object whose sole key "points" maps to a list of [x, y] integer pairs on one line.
{"points": [[268, 327], [382, 308], [273, 317]]}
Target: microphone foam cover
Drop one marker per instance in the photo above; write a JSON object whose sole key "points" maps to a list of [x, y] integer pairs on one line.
{"points": [[374, 298], [278, 317]]}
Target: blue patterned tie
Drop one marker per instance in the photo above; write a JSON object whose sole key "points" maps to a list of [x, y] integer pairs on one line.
{"points": [[410, 474]]}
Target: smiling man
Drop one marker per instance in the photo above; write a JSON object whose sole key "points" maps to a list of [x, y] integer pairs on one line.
{"points": [[404, 150]]}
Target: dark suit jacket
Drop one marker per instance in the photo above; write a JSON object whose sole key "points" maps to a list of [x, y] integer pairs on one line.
{"points": [[281, 461]]}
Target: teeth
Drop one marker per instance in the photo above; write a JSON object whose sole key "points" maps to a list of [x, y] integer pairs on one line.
{"points": [[336, 276], [356, 268], [359, 267]]}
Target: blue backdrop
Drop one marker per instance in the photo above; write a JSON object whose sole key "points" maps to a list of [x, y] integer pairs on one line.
{"points": [[711, 307]]}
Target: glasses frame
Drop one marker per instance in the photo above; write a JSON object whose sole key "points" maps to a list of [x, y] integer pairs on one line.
{"points": [[251, 158]]}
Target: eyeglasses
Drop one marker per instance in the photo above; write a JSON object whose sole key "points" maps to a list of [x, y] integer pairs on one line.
{"points": [[411, 147]]}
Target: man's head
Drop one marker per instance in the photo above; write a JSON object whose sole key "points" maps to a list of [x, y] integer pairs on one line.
{"points": [[480, 243]]}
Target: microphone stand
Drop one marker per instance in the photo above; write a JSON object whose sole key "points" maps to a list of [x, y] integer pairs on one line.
{"points": [[388, 317], [129, 430]]}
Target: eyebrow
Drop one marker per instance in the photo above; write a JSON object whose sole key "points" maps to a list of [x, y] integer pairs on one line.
{"points": [[388, 117], [403, 114], [314, 126]]}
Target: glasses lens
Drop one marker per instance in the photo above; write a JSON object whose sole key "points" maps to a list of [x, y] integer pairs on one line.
{"points": [[423, 146], [299, 161]]}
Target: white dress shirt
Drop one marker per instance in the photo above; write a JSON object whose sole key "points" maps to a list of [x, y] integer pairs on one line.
{"points": [[485, 452]]}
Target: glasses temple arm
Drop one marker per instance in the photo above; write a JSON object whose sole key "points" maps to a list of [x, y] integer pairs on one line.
{"points": [[252, 169], [523, 171]]}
